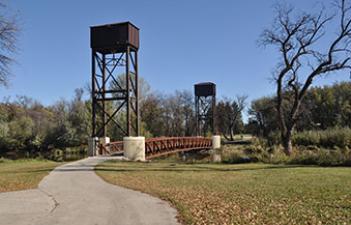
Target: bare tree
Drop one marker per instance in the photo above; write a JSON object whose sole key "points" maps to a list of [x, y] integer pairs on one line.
{"points": [[298, 39], [8, 34]]}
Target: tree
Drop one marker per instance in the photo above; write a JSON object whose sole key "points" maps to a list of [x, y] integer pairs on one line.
{"points": [[79, 117], [151, 112], [323, 108], [62, 134], [178, 114], [262, 113], [298, 40], [229, 118], [8, 34]]}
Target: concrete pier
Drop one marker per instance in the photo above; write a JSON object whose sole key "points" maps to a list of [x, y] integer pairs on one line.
{"points": [[134, 148]]}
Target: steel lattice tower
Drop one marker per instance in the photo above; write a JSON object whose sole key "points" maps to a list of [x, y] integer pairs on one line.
{"points": [[115, 55], [205, 108]]}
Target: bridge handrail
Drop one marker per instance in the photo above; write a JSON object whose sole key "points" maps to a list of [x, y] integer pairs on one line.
{"points": [[161, 146], [158, 146], [115, 147]]}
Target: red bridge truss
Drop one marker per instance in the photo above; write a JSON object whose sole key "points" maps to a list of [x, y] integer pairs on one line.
{"points": [[155, 147]]}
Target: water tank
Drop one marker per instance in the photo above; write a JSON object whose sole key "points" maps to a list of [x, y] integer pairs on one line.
{"points": [[114, 38], [205, 89]]}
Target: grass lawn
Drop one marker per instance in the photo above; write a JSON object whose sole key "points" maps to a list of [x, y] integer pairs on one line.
{"points": [[241, 194], [23, 174]]}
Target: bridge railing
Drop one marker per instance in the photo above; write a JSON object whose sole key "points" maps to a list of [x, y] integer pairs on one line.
{"points": [[155, 147], [112, 148]]}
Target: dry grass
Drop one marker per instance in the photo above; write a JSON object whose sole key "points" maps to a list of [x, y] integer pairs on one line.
{"points": [[23, 174], [241, 194]]}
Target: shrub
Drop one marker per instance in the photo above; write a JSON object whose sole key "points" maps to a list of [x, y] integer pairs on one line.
{"points": [[339, 137], [237, 157], [235, 154], [310, 155], [322, 157], [57, 155], [274, 155], [312, 148], [307, 138], [274, 138]]}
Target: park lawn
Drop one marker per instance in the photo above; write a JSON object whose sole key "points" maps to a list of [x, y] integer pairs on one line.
{"points": [[243, 193], [23, 174]]}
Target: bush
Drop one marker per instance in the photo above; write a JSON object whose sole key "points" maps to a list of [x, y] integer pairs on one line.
{"points": [[322, 157], [339, 137], [57, 155], [307, 138], [310, 155], [236, 154], [274, 138], [76, 150]]}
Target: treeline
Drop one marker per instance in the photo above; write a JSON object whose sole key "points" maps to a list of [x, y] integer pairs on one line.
{"points": [[168, 115], [323, 108], [27, 127]]}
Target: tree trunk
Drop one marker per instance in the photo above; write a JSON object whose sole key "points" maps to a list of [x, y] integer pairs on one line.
{"points": [[287, 143], [226, 137], [231, 133]]}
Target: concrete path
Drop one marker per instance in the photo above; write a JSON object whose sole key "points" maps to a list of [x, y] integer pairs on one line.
{"points": [[73, 194]]}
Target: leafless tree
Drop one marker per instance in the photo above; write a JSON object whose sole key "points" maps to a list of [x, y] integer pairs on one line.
{"points": [[298, 40], [8, 37]]}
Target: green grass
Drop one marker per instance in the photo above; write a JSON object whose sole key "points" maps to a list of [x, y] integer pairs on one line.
{"points": [[241, 194], [23, 174]]}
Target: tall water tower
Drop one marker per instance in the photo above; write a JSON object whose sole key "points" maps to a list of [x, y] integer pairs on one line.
{"points": [[115, 54], [205, 108]]}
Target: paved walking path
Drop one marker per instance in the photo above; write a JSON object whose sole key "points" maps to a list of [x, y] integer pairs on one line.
{"points": [[73, 194]]}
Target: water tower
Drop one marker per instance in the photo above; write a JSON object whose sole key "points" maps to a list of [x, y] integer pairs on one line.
{"points": [[114, 79], [205, 108]]}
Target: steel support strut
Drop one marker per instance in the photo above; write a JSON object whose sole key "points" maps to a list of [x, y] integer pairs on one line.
{"points": [[122, 93], [93, 91], [205, 114]]}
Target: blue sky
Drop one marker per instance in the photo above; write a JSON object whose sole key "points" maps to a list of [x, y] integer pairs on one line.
{"points": [[182, 42]]}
